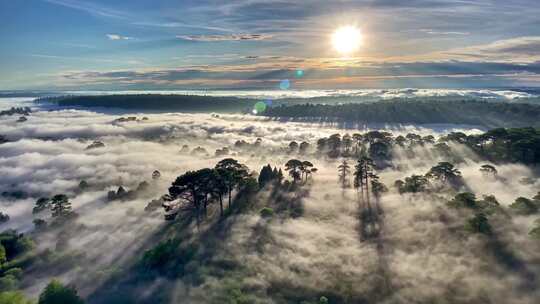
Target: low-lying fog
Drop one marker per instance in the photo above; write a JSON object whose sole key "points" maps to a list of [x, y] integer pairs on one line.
{"points": [[419, 257]]}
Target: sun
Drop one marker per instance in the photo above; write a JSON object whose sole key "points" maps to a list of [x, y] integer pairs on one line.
{"points": [[347, 39]]}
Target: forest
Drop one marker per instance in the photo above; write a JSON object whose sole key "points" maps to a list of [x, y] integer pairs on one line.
{"points": [[265, 219], [488, 114]]}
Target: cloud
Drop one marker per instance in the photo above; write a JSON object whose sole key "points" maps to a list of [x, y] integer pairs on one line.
{"points": [[232, 37], [91, 8], [118, 37], [318, 253], [450, 33]]}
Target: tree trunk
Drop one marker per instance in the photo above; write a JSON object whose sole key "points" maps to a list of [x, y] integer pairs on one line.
{"points": [[221, 204], [230, 190]]}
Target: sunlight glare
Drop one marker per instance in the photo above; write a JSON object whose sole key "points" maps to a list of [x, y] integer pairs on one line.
{"points": [[346, 39]]}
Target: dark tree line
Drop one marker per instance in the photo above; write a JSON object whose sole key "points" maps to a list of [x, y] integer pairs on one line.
{"points": [[194, 191], [416, 111]]}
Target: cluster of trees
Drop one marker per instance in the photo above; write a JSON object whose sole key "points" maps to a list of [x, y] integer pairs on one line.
{"points": [[187, 103], [16, 111], [489, 206], [129, 119], [194, 191], [96, 144], [54, 293], [269, 176], [59, 207], [482, 210], [526, 206], [416, 111], [375, 144], [497, 145], [122, 194], [508, 145], [12, 246], [444, 173]]}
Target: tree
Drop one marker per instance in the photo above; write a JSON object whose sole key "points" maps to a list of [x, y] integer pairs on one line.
{"points": [[83, 185], [293, 147], [343, 173], [303, 148], [525, 206], [3, 256], [334, 145], [265, 176], [488, 170], [379, 150], [479, 224], [445, 172], [188, 189], [347, 143], [362, 174], [232, 172], [60, 205], [56, 293], [307, 169], [464, 200], [357, 139], [412, 184], [156, 175], [294, 167], [13, 297], [4, 217], [377, 187], [41, 204]]}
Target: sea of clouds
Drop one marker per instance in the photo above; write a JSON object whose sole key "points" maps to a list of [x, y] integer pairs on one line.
{"points": [[419, 257]]}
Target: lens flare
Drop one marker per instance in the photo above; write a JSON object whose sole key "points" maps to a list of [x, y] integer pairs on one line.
{"points": [[285, 84]]}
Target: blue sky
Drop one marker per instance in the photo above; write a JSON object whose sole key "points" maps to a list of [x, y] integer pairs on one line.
{"points": [[166, 44]]}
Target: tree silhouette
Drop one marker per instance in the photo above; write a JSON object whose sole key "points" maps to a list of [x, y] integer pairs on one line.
{"points": [[60, 205], [445, 172], [56, 293], [232, 172], [362, 174], [42, 204], [307, 169], [343, 173], [488, 170], [294, 167]]}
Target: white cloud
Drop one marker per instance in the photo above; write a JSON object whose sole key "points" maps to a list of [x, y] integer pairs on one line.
{"points": [[118, 37], [232, 37]]}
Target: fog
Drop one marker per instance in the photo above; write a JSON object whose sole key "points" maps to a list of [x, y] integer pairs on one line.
{"points": [[421, 255]]}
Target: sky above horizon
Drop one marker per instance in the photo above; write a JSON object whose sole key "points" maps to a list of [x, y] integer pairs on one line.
{"points": [[205, 44]]}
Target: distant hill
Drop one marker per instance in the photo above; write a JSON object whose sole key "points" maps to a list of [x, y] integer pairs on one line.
{"points": [[415, 111], [157, 102]]}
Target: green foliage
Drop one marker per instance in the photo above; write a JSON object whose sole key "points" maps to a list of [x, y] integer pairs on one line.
{"points": [[266, 212], [14, 243], [60, 205], [158, 102], [13, 297], [463, 200], [8, 283], [418, 111], [413, 184], [15, 272], [478, 224], [323, 300], [42, 204], [56, 293], [3, 257], [168, 257], [525, 206]]}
